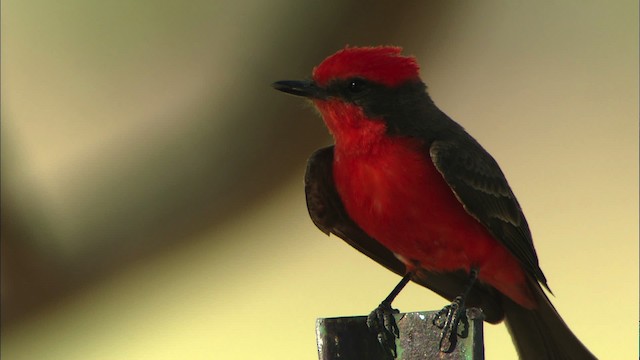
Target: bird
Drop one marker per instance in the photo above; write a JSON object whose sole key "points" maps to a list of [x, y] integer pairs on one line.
{"points": [[408, 186]]}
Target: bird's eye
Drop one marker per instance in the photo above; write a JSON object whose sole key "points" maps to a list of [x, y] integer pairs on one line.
{"points": [[356, 85]]}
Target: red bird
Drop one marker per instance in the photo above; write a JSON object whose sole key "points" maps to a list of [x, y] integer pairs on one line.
{"points": [[410, 188]]}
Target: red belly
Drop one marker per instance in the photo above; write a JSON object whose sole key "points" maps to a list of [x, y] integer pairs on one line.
{"points": [[398, 197]]}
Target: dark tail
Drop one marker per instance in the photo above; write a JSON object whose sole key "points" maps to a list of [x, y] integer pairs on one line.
{"points": [[541, 333]]}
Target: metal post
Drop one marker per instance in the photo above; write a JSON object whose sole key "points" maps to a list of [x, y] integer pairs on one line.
{"points": [[349, 338]]}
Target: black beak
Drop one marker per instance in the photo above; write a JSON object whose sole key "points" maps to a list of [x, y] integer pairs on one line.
{"points": [[307, 89]]}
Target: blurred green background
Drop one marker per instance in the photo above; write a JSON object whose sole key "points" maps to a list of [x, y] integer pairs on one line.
{"points": [[152, 201]]}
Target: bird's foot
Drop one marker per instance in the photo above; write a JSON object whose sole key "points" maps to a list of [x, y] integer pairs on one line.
{"points": [[452, 319], [382, 322]]}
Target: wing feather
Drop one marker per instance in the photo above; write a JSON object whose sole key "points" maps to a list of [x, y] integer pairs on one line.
{"points": [[479, 184]]}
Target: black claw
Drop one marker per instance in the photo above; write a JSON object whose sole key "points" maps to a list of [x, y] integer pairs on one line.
{"points": [[452, 319], [382, 322]]}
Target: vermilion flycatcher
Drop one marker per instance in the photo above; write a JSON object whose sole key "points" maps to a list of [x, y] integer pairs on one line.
{"points": [[410, 188]]}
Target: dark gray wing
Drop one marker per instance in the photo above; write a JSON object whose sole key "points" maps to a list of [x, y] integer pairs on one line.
{"points": [[477, 181], [328, 214]]}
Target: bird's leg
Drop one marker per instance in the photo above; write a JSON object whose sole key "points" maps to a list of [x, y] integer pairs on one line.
{"points": [[382, 322], [448, 319]]}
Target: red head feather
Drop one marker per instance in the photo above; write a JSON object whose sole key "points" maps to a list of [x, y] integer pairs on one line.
{"points": [[382, 64]]}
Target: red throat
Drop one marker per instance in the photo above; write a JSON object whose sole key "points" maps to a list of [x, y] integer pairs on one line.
{"points": [[352, 131]]}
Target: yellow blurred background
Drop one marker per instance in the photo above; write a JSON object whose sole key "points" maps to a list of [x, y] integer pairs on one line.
{"points": [[152, 201]]}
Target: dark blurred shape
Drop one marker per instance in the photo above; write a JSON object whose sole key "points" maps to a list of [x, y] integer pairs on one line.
{"points": [[154, 189]]}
